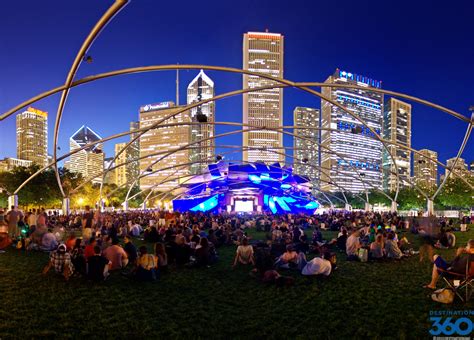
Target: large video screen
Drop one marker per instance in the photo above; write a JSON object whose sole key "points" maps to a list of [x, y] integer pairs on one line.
{"points": [[244, 206]]}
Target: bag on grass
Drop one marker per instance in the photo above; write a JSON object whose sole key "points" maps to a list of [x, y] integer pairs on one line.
{"points": [[443, 295], [363, 255]]}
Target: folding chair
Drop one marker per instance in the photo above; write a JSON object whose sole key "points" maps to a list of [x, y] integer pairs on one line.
{"points": [[466, 280]]}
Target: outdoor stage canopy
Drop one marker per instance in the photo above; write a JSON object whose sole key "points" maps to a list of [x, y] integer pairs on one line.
{"points": [[250, 187]]}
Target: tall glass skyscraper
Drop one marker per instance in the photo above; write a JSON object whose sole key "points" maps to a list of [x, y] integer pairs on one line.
{"points": [[425, 172], [357, 148], [397, 129], [306, 150], [32, 136], [132, 155], [162, 139], [201, 88], [263, 53], [90, 161]]}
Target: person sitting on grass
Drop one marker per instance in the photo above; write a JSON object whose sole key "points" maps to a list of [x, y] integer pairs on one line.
{"points": [[60, 259], [71, 241], [353, 245], [318, 265], [147, 266], [458, 265], [391, 247], [116, 255], [244, 253], [377, 248], [89, 250], [98, 266], [446, 240], [341, 240], [289, 259], [130, 249], [77, 257], [160, 253], [202, 253]]}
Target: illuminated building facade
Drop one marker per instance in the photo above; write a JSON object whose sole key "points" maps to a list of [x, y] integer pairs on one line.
{"points": [[132, 155], [397, 129], [425, 172], [32, 136], [8, 164], [460, 168], [307, 150], [201, 88], [161, 140], [109, 176], [355, 145], [121, 171], [263, 53], [90, 161]]}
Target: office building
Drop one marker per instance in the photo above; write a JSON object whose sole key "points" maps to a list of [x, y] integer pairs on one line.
{"points": [[354, 147], [32, 136], [8, 164], [263, 53], [109, 176], [133, 155], [471, 168], [396, 129], [460, 169], [425, 172], [90, 161], [121, 171], [201, 88], [306, 151], [162, 140]]}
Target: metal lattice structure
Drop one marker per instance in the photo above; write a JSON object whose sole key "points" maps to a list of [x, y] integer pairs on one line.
{"points": [[307, 87]]}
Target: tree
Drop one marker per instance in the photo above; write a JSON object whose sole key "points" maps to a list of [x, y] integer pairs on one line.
{"points": [[456, 194]]}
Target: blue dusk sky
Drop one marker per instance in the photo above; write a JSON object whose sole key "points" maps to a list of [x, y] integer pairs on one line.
{"points": [[422, 48]]}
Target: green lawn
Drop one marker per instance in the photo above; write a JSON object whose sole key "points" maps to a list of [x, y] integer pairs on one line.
{"points": [[359, 300]]}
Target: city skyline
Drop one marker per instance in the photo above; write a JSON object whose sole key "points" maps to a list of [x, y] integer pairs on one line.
{"points": [[163, 85]]}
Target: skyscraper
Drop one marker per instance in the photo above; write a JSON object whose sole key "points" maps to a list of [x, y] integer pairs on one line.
{"points": [[163, 139], [109, 176], [32, 136], [304, 150], [90, 161], [471, 168], [121, 171], [263, 53], [460, 168], [425, 172], [132, 155], [201, 88], [397, 129], [356, 146]]}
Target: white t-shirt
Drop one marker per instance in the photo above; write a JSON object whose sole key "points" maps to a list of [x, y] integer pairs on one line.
{"points": [[352, 245], [317, 266]]}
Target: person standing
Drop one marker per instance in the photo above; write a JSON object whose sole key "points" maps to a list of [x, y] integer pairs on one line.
{"points": [[13, 217]]}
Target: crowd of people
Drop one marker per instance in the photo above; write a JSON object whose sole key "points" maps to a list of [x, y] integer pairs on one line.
{"points": [[94, 244]]}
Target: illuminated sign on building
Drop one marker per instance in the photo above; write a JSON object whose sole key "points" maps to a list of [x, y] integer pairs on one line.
{"points": [[158, 106], [38, 112], [360, 79]]}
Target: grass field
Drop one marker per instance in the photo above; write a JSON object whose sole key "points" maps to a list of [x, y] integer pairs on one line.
{"points": [[372, 300]]}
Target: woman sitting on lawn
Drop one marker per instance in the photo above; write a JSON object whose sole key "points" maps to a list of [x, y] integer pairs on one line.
{"points": [[377, 248], [147, 266], [160, 253], [391, 247], [244, 253]]}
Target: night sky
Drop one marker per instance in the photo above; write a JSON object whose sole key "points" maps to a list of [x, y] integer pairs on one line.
{"points": [[422, 48]]}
